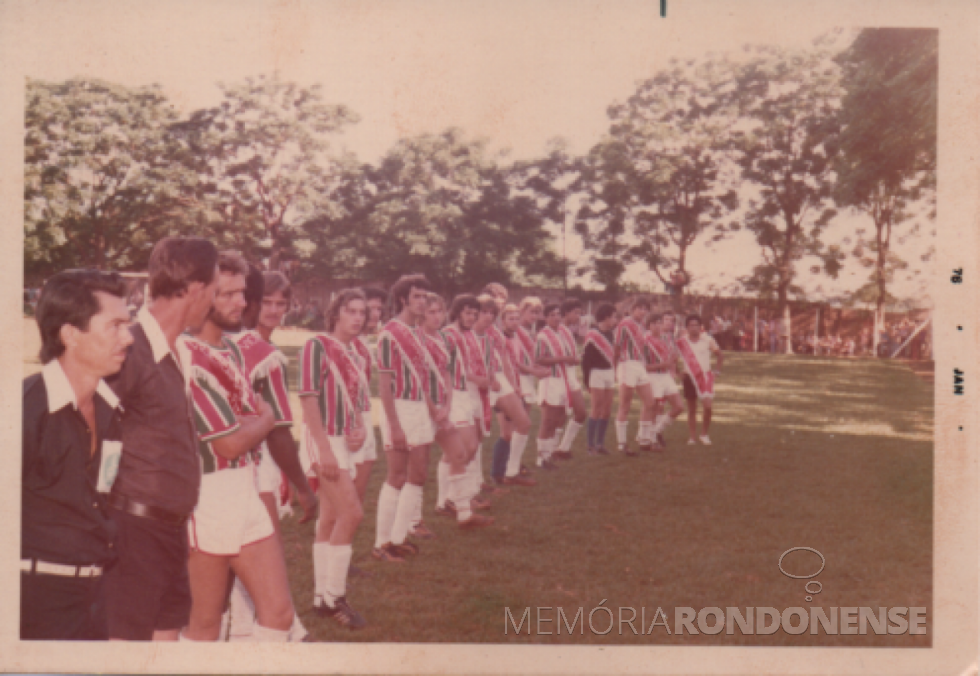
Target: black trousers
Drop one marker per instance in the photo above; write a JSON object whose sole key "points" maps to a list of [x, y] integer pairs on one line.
{"points": [[59, 608]]}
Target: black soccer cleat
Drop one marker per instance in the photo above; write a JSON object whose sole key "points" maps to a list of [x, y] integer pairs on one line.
{"points": [[342, 613]]}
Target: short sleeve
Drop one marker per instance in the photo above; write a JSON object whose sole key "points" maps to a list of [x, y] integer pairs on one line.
{"points": [[213, 414], [312, 363], [274, 390]]}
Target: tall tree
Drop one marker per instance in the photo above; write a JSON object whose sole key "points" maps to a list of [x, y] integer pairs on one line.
{"points": [[786, 141], [888, 140], [264, 153], [660, 179], [441, 205], [102, 183]]}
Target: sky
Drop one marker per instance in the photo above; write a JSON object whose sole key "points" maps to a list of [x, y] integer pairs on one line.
{"points": [[516, 73]]}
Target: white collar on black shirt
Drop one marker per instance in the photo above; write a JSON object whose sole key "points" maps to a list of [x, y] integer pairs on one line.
{"points": [[61, 393], [154, 334]]}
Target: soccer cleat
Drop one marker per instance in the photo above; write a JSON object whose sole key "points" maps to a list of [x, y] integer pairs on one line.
{"points": [[705, 440], [479, 503], [406, 549], [387, 553], [519, 480], [343, 613], [661, 440], [486, 488], [449, 509], [421, 532], [548, 465], [476, 521], [592, 451]]}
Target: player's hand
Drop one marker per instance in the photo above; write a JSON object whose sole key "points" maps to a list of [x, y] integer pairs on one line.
{"points": [[399, 442], [355, 438], [310, 504], [265, 411], [328, 468]]}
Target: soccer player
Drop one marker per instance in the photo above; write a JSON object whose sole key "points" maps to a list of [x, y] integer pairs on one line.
{"points": [[407, 420], [515, 356], [530, 314], [447, 388], [695, 350], [471, 369], [376, 300], [230, 529], [598, 356], [554, 391], [71, 445], [334, 390], [632, 375], [571, 317], [512, 417], [265, 366], [660, 359]]}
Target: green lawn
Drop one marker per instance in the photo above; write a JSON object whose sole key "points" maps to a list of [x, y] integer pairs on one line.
{"points": [[831, 454]]}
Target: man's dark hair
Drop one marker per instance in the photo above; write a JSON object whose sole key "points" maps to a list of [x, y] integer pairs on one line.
{"points": [[653, 318], [374, 293], [231, 262], [604, 311], [549, 308], [254, 286], [400, 290], [460, 303], [339, 302], [177, 262], [276, 282], [570, 305], [639, 301], [69, 298], [693, 318]]}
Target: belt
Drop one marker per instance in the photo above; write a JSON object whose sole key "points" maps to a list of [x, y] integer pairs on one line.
{"points": [[35, 567], [130, 506]]}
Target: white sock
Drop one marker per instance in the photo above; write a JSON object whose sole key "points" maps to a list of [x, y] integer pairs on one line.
{"points": [[241, 613], [442, 481], [645, 431], [566, 441], [407, 501], [663, 422], [518, 442], [321, 564], [545, 448], [460, 492], [473, 478], [478, 463], [338, 563], [387, 508], [621, 428], [297, 632], [265, 635]]}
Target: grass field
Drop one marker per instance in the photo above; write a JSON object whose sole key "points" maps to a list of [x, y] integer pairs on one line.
{"points": [[824, 453]]}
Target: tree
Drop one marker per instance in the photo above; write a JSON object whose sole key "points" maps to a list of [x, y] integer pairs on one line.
{"points": [[263, 151], [661, 179], [441, 205], [785, 145], [888, 140], [101, 180]]}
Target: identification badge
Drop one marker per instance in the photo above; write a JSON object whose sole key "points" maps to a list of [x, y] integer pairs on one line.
{"points": [[109, 468]]}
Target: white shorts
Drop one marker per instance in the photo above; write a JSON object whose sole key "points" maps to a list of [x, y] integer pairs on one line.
{"points": [[367, 452], [602, 379], [413, 416], [632, 374], [268, 478], [552, 391], [528, 389], [663, 385], [229, 514], [573, 382], [505, 389], [461, 409]]}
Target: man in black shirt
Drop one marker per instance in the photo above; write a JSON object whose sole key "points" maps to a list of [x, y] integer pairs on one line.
{"points": [[70, 449], [147, 591]]}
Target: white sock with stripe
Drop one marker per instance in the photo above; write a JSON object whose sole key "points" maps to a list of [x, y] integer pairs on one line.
{"points": [[410, 496], [387, 508], [338, 563], [518, 442]]}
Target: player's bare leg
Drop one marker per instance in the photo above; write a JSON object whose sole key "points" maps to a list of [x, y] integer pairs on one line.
{"points": [[388, 505], [261, 566], [341, 514], [692, 421], [552, 417], [459, 493]]}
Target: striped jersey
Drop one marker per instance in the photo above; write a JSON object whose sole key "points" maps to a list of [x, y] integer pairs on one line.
{"points": [[457, 367], [438, 348], [629, 340], [334, 374], [549, 345], [221, 394], [365, 351], [265, 367], [488, 353], [406, 375]]}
